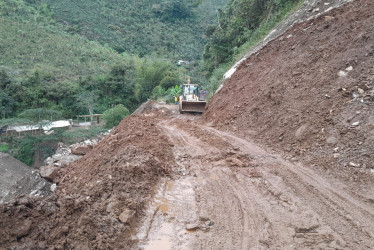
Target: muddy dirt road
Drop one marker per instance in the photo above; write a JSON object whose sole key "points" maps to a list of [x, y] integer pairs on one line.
{"points": [[229, 193], [161, 180]]}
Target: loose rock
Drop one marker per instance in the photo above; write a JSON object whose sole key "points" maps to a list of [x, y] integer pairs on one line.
{"points": [[49, 173], [80, 150], [126, 215]]}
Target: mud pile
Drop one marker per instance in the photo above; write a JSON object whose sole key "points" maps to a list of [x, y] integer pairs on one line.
{"points": [[310, 92], [99, 198]]}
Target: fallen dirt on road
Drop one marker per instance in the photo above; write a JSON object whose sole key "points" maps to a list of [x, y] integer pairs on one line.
{"points": [[99, 198], [262, 169], [229, 193], [167, 181]]}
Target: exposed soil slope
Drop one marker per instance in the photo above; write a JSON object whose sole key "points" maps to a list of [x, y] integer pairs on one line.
{"points": [[310, 92]]}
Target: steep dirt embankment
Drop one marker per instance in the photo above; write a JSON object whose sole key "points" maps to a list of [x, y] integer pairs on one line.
{"points": [[310, 92], [99, 198]]}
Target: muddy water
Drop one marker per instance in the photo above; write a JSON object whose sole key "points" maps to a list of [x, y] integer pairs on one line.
{"points": [[173, 208]]}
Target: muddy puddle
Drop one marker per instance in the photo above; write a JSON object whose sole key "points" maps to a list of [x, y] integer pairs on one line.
{"points": [[169, 216]]}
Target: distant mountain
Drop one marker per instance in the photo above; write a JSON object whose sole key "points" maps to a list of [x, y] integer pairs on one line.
{"points": [[29, 41], [171, 29]]}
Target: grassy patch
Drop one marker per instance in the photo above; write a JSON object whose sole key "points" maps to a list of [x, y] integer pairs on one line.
{"points": [[4, 148]]}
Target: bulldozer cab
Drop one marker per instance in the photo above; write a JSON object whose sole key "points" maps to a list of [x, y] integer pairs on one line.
{"points": [[190, 92], [191, 101]]}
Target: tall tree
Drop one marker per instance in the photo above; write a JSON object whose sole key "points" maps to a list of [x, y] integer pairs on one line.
{"points": [[88, 100]]}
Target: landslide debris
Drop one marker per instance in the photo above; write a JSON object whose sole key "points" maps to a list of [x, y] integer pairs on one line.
{"points": [[99, 198], [309, 93], [283, 96]]}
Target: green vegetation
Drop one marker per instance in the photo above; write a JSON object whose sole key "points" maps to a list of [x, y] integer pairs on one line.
{"points": [[4, 148], [13, 122], [39, 95], [39, 114], [27, 150], [55, 54], [79, 134], [170, 29], [27, 46], [175, 92], [115, 115], [26, 147], [241, 25]]}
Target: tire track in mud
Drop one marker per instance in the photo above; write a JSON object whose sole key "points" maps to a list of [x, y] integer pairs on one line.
{"points": [[267, 203], [336, 213], [334, 202], [355, 219]]}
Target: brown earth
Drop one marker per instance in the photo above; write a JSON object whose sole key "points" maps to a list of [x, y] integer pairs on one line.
{"points": [[290, 96], [116, 176], [278, 161], [229, 193]]}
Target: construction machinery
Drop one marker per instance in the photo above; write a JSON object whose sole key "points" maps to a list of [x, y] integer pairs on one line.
{"points": [[192, 100]]}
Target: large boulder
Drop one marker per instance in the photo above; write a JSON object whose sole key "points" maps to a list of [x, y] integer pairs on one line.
{"points": [[50, 173]]}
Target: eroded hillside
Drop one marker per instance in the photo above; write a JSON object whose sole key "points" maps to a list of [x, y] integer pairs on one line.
{"points": [[309, 93]]}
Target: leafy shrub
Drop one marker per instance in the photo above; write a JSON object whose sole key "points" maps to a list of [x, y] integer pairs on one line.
{"points": [[158, 92], [115, 115]]}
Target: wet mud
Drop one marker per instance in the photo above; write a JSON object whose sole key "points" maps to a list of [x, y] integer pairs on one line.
{"points": [[234, 194]]}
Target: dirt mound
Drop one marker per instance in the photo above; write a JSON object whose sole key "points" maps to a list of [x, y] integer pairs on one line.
{"points": [[310, 92], [151, 105], [99, 198]]}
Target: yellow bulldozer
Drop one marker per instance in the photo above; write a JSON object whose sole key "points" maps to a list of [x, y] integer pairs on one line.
{"points": [[192, 100]]}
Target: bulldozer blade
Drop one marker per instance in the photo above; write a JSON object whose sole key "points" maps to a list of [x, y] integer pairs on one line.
{"points": [[192, 106]]}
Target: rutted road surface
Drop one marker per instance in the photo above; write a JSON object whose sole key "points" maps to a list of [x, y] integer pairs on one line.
{"points": [[229, 193]]}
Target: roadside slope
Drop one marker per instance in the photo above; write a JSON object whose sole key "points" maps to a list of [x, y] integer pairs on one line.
{"points": [[309, 93]]}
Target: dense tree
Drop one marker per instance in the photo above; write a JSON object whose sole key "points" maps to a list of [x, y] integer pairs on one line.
{"points": [[87, 100], [40, 114], [7, 104], [4, 80]]}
